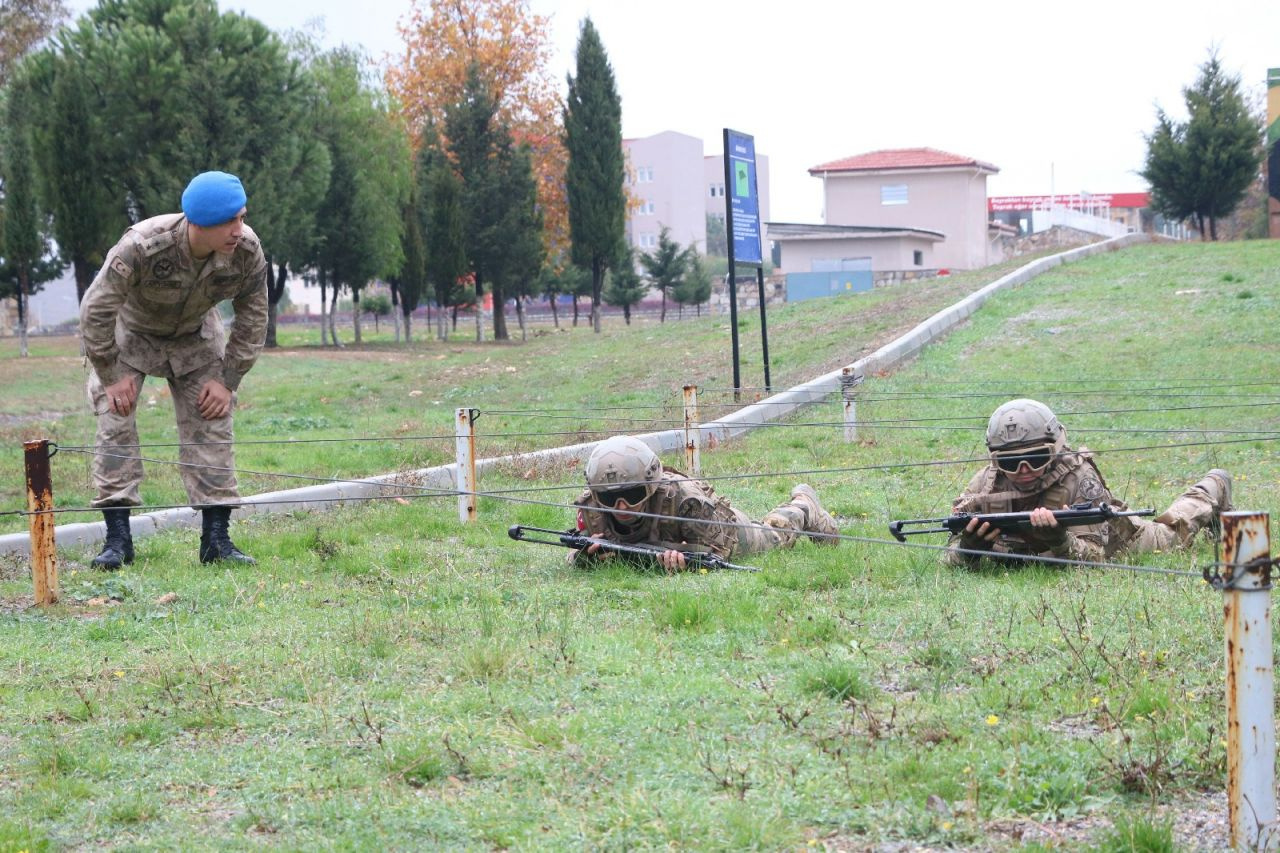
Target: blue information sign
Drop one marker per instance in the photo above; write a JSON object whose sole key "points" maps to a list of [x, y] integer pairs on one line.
{"points": [[742, 201]]}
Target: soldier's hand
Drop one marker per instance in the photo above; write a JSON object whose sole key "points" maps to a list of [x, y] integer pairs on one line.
{"points": [[978, 535], [121, 395], [594, 550], [672, 561], [1042, 516], [214, 400]]}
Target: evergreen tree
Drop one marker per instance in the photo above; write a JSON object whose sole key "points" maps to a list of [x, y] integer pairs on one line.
{"points": [[26, 251], [482, 149], [446, 243], [666, 267], [411, 282], [594, 176], [360, 217], [1201, 169], [623, 286], [695, 288], [525, 251]]}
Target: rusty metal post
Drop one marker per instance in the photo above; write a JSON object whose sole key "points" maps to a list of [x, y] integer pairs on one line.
{"points": [[1251, 733], [848, 381], [465, 449], [44, 553], [692, 431]]}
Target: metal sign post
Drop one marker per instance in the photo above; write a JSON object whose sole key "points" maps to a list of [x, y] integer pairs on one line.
{"points": [[742, 227]]}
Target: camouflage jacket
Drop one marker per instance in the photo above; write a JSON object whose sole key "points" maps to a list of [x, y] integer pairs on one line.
{"points": [[151, 305], [685, 502], [1072, 478]]}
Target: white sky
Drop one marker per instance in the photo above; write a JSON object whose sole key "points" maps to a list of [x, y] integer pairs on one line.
{"points": [[1057, 96]]}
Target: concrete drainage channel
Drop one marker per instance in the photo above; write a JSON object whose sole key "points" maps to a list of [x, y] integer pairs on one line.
{"points": [[442, 478]]}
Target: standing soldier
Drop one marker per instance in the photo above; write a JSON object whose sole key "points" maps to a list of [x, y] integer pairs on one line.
{"points": [[1033, 470], [152, 311], [625, 477]]}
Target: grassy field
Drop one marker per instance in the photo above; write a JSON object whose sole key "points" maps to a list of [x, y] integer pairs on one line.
{"points": [[389, 678]]}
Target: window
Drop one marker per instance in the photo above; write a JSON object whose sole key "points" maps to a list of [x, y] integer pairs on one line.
{"points": [[717, 190], [918, 257], [647, 208], [644, 175], [893, 194]]}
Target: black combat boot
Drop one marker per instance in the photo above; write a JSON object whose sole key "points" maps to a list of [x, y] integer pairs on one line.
{"points": [[215, 539], [118, 549]]}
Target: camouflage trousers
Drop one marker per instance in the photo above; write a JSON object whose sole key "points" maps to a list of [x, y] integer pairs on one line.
{"points": [[1174, 528], [779, 529], [207, 460]]}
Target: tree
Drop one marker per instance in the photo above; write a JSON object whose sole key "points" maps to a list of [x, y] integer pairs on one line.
{"points": [[525, 252], [494, 175], [142, 94], [1201, 169], [717, 238], [512, 48], [411, 282], [695, 288], [379, 305], [23, 25], [26, 251], [666, 267], [593, 179], [360, 217], [623, 286], [446, 244]]}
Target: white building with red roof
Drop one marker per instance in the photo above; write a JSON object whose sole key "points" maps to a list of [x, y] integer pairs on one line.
{"points": [[905, 211]]}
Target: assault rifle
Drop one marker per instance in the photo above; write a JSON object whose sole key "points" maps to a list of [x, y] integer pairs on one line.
{"points": [[1007, 522], [579, 542]]}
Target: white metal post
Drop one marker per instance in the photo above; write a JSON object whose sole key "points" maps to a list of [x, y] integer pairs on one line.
{"points": [[848, 381], [692, 431], [465, 450], [1251, 732]]}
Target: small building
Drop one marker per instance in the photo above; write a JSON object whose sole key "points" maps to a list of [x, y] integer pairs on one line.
{"points": [[901, 212]]}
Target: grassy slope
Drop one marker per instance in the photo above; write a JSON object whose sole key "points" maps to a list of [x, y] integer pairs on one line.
{"points": [[387, 677]]}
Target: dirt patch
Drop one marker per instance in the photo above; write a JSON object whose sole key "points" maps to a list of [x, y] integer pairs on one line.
{"points": [[1199, 825]]}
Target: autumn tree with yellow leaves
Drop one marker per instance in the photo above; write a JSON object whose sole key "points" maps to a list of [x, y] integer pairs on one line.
{"points": [[511, 47]]}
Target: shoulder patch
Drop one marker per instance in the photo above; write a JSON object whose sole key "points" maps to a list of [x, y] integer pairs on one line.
{"points": [[157, 243], [121, 267]]}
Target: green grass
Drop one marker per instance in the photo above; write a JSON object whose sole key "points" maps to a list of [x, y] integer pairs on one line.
{"points": [[389, 678]]}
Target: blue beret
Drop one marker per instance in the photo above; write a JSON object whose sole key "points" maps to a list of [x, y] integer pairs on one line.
{"points": [[213, 198]]}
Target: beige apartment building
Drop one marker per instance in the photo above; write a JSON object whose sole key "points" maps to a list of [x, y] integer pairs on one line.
{"points": [[903, 210], [672, 183]]}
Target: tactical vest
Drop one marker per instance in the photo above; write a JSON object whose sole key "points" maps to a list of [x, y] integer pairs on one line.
{"points": [[683, 502]]}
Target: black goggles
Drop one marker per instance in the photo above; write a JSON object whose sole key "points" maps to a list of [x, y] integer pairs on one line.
{"points": [[630, 495], [1036, 458]]}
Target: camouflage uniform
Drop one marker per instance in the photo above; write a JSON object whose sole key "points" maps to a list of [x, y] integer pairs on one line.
{"points": [[1074, 478], [689, 502], [151, 311]]}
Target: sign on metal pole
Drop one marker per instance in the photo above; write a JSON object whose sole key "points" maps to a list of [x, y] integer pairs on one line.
{"points": [[742, 199], [742, 225]]}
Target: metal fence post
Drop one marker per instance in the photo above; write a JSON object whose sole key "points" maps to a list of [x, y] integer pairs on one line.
{"points": [[1251, 733], [692, 431], [848, 381], [465, 450], [44, 552]]}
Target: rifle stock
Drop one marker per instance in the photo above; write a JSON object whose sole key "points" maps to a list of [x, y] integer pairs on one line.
{"points": [[1006, 522], [579, 542]]}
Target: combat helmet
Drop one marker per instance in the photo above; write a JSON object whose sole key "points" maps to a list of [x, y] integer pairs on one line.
{"points": [[620, 465], [1022, 422]]}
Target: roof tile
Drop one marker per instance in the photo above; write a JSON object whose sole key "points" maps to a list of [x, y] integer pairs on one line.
{"points": [[899, 158]]}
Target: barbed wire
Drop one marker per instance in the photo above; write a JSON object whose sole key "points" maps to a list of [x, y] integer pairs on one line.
{"points": [[416, 489], [815, 535]]}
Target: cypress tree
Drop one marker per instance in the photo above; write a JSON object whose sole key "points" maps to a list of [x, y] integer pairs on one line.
{"points": [[593, 178]]}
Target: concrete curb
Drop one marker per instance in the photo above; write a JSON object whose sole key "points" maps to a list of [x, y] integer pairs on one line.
{"points": [[443, 477]]}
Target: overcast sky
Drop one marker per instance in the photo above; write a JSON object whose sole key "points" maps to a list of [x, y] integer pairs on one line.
{"points": [[1057, 96]]}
